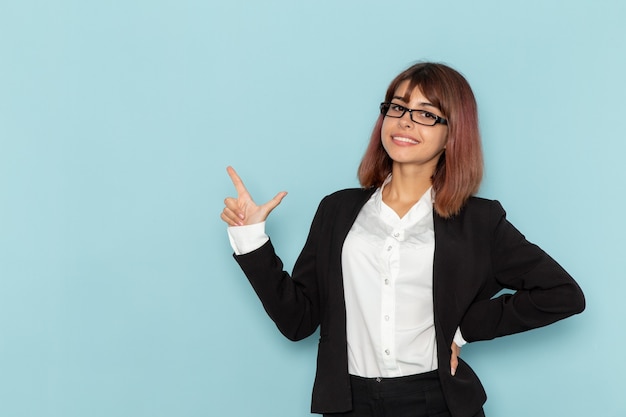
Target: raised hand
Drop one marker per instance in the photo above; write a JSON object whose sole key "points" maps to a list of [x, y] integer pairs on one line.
{"points": [[242, 210]]}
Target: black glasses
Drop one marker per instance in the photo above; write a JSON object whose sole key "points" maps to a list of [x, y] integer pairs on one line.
{"points": [[419, 116]]}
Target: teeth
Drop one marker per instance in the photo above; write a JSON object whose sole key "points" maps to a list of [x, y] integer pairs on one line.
{"points": [[407, 140]]}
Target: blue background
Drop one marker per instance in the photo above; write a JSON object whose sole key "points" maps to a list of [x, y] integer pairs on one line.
{"points": [[118, 294]]}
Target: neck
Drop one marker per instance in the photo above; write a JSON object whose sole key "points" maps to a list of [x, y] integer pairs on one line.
{"points": [[407, 186], [408, 183]]}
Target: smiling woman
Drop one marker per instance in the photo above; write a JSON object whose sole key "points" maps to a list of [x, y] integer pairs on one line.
{"points": [[442, 91], [401, 273], [414, 148]]}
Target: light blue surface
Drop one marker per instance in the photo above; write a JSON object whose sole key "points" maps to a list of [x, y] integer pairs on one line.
{"points": [[118, 295]]}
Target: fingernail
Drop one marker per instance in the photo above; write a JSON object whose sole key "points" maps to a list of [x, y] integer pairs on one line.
{"points": [[452, 371]]}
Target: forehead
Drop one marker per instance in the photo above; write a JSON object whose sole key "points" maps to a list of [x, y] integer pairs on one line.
{"points": [[407, 92]]}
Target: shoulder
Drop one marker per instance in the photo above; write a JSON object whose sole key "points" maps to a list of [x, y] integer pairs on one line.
{"points": [[480, 212], [478, 223], [348, 196], [479, 205], [345, 202]]}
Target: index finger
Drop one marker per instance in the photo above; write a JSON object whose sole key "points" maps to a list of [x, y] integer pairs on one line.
{"points": [[239, 187]]}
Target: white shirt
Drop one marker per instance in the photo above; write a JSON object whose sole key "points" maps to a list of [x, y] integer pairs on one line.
{"points": [[388, 285], [387, 266]]}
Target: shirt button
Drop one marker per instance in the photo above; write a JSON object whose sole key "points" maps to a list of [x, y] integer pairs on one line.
{"points": [[386, 281], [396, 234], [389, 248], [387, 351], [386, 318]]}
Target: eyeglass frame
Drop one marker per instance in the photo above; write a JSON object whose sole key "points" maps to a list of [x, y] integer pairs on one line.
{"points": [[388, 104]]}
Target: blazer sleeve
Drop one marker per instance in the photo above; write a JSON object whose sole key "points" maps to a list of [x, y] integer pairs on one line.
{"points": [[544, 291], [292, 302]]}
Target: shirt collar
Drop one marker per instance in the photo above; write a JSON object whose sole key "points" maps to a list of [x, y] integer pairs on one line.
{"points": [[421, 209]]}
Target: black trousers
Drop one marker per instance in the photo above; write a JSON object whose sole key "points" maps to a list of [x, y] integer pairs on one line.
{"points": [[408, 396]]}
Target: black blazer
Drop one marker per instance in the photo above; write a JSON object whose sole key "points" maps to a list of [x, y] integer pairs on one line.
{"points": [[477, 254]]}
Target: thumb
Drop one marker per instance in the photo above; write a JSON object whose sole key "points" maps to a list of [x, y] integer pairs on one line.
{"points": [[274, 202]]}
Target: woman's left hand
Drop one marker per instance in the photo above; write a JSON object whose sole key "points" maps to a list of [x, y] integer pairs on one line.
{"points": [[454, 358]]}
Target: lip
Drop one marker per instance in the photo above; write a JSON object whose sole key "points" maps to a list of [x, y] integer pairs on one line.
{"points": [[404, 140]]}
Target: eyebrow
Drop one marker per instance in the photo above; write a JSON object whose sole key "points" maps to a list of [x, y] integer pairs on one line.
{"points": [[424, 103]]}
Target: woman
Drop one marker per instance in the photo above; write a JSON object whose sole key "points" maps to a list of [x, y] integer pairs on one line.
{"points": [[401, 273]]}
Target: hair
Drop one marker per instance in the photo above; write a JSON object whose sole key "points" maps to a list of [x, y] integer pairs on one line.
{"points": [[459, 170]]}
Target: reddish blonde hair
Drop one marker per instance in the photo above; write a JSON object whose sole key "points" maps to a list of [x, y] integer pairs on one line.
{"points": [[460, 168]]}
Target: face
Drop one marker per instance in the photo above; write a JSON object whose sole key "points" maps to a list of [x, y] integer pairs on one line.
{"points": [[407, 142]]}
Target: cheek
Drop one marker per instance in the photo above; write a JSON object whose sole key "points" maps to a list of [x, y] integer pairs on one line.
{"points": [[443, 140], [384, 126], [385, 136], [387, 128], [383, 144]]}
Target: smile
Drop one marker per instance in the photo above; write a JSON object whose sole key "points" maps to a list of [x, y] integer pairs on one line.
{"points": [[404, 140]]}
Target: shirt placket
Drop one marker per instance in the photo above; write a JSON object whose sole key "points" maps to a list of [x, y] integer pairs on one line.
{"points": [[388, 304]]}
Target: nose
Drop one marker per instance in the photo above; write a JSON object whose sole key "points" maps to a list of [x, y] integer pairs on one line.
{"points": [[406, 120]]}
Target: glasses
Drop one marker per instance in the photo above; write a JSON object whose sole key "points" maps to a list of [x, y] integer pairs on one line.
{"points": [[419, 116]]}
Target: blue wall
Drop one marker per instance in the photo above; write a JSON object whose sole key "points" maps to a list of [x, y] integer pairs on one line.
{"points": [[118, 294]]}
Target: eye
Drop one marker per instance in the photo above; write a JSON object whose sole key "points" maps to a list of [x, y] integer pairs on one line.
{"points": [[427, 115], [396, 107]]}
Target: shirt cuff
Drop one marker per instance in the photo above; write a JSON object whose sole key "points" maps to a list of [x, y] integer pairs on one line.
{"points": [[248, 238], [458, 338]]}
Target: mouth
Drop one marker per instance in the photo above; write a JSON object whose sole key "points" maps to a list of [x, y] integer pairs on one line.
{"points": [[404, 139]]}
